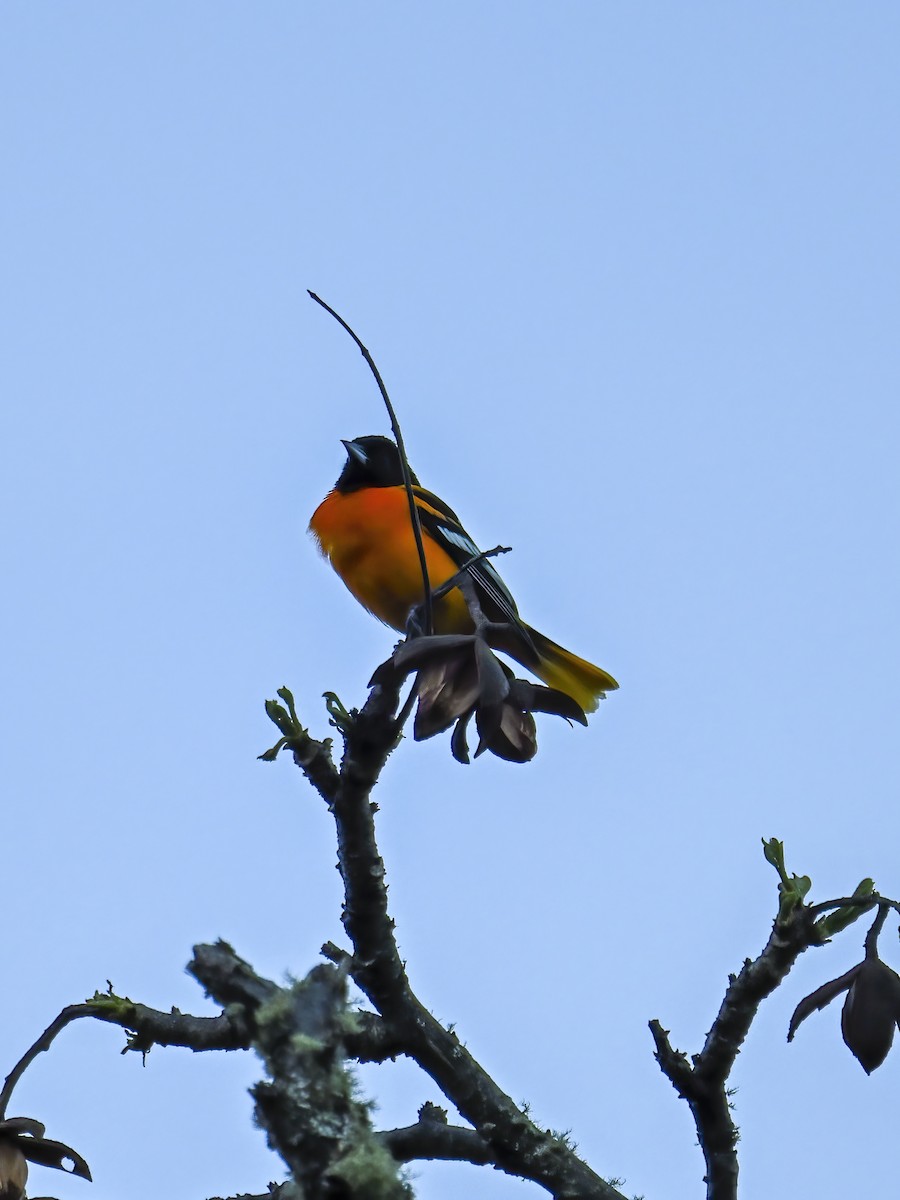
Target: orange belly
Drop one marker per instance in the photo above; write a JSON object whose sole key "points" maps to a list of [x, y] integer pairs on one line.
{"points": [[368, 538]]}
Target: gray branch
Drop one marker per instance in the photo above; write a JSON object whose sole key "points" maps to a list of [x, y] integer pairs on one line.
{"points": [[307, 1106], [515, 1144], [702, 1081], [431, 1139]]}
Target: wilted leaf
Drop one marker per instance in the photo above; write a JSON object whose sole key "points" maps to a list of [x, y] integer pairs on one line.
{"points": [[534, 697], [27, 1125], [819, 998]]}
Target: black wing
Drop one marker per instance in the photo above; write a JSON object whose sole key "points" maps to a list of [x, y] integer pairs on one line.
{"points": [[444, 526]]}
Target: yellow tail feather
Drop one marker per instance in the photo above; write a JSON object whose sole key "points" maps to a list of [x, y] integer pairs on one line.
{"points": [[559, 668]]}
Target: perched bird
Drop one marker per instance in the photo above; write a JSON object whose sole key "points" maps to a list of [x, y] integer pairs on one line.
{"points": [[363, 527]]}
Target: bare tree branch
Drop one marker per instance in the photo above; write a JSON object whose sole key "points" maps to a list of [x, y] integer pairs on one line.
{"points": [[44, 1042], [307, 1106], [702, 1082], [515, 1143], [430, 1139], [145, 1026], [148, 1027]]}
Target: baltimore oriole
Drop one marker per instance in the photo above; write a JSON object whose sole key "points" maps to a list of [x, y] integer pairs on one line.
{"points": [[363, 526]]}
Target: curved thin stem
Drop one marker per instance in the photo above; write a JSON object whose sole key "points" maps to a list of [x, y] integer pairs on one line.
{"points": [[44, 1042], [871, 943], [404, 462]]}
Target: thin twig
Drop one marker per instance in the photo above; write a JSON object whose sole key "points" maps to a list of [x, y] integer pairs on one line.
{"points": [[863, 902], [408, 704], [449, 584], [404, 461], [145, 1026], [871, 942], [44, 1042]]}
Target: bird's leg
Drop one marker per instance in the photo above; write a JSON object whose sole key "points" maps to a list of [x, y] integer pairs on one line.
{"points": [[415, 626], [415, 622]]}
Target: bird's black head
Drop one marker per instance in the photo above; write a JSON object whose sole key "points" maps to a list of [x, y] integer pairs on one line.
{"points": [[371, 462]]}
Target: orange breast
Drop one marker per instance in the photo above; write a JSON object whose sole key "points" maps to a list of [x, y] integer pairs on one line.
{"points": [[367, 535]]}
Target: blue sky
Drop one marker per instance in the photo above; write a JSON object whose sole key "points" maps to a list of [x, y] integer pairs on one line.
{"points": [[631, 275]]}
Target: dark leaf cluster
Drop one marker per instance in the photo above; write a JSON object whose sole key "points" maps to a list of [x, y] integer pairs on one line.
{"points": [[871, 1011], [459, 677], [22, 1141]]}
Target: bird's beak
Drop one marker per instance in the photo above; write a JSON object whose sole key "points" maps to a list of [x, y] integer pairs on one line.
{"points": [[355, 450]]}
